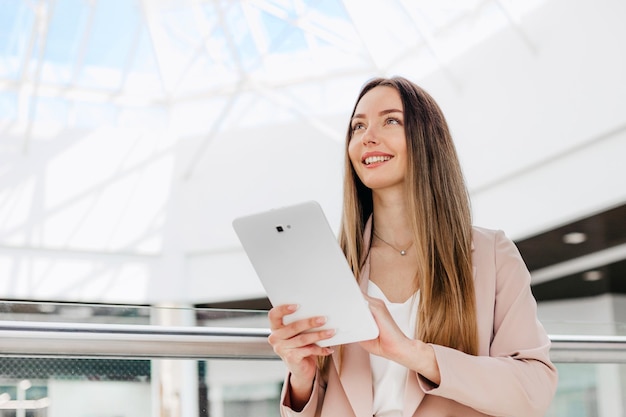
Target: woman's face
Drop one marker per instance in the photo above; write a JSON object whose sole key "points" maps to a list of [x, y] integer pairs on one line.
{"points": [[377, 149]]}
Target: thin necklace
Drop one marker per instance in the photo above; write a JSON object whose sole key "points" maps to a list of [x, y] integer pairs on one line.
{"points": [[402, 251]]}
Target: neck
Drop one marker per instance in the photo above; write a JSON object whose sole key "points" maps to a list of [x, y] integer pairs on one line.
{"points": [[391, 219]]}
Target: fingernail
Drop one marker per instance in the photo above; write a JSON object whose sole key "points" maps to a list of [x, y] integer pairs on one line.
{"points": [[320, 320], [292, 307]]}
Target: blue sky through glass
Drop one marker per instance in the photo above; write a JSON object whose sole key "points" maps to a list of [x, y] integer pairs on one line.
{"points": [[172, 50], [67, 28], [112, 33], [15, 16]]}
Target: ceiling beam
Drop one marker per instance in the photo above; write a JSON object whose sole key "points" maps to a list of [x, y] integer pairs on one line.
{"points": [[45, 11], [580, 264], [515, 22], [84, 42], [156, 33], [354, 10], [430, 42]]}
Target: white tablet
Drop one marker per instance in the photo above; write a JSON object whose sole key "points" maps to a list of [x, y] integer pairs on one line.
{"points": [[299, 261]]}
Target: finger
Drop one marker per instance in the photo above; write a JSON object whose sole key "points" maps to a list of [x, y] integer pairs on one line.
{"points": [[304, 345], [375, 303], [309, 339], [290, 331], [277, 313], [295, 356]]}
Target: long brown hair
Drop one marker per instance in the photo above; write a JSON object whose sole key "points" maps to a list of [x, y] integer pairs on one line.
{"points": [[441, 221]]}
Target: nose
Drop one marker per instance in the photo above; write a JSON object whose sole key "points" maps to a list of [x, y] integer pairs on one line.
{"points": [[370, 136]]}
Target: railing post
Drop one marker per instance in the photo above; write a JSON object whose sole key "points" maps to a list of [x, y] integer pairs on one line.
{"points": [[175, 381]]}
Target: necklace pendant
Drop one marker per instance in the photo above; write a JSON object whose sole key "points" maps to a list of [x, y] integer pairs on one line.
{"points": [[402, 252]]}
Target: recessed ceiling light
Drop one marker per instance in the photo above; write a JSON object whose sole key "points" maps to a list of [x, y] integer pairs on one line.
{"points": [[593, 275], [574, 238]]}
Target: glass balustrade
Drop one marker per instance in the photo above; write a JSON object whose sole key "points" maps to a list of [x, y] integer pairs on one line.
{"points": [[68, 360]]}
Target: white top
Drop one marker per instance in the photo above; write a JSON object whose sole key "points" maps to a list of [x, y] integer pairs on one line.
{"points": [[389, 377]]}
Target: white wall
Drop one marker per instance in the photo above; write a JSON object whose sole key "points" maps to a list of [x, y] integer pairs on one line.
{"points": [[540, 130], [599, 315], [536, 111]]}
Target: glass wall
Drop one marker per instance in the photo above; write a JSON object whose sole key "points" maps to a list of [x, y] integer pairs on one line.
{"points": [[589, 390], [73, 387], [81, 387]]}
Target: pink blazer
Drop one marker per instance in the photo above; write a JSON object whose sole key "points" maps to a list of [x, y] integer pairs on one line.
{"points": [[511, 376]]}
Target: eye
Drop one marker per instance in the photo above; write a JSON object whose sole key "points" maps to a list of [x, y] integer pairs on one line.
{"points": [[357, 126], [393, 121]]}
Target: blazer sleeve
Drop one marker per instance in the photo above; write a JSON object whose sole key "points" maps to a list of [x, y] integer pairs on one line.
{"points": [[517, 378], [311, 407]]}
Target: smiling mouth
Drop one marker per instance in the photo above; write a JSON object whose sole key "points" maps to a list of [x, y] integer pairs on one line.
{"points": [[375, 159]]}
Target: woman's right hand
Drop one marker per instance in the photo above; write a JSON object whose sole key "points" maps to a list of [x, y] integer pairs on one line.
{"points": [[295, 344]]}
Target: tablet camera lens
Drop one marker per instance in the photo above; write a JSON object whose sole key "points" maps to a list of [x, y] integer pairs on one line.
{"points": [[279, 229]]}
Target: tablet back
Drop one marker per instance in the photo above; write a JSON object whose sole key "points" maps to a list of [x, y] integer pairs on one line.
{"points": [[298, 260]]}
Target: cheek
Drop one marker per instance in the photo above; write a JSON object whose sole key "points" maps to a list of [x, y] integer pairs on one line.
{"points": [[354, 154]]}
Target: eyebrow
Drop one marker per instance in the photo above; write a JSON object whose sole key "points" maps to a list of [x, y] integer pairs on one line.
{"points": [[381, 113]]}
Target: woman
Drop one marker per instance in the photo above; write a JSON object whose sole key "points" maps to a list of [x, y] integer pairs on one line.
{"points": [[459, 334]]}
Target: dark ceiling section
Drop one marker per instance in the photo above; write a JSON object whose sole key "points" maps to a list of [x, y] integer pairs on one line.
{"points": [[602, 230], [586, 236], [606, 279], [250, 304]]}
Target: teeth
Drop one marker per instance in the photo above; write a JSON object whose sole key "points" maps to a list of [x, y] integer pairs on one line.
{"points": [[374, 159]]}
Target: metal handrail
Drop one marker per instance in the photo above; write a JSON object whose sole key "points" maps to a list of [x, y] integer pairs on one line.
{"points": [[19, 338], [588, 349], [132, 341]]}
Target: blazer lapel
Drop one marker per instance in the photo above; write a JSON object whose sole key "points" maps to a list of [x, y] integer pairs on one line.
{"points": [[355, 374], [356, 378], [413, 394]]}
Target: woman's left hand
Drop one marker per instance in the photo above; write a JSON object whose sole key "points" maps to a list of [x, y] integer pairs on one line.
{"points": [[390, 338], [394, 345]]}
